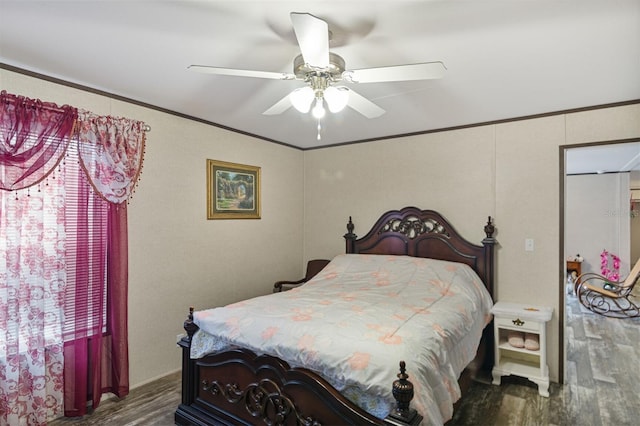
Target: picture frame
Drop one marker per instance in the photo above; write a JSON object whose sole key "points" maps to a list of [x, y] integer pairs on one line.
{"points": [[233, 190]]}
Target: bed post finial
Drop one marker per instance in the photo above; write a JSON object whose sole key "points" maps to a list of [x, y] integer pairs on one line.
{"points": [[350, 237], [189, 326], [489, 229], [403, 393]]}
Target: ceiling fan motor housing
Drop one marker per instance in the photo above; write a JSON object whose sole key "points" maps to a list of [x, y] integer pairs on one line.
{"points": [[333, 72]]}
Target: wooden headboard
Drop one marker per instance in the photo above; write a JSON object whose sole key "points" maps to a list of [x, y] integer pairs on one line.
{"points": [[425, 233]]}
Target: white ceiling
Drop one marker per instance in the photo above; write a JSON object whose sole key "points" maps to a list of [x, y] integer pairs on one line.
{"points": [[504, 58]]}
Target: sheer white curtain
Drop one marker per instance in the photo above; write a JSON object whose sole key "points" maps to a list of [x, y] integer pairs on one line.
{"points": [[33, 138], [32, 277]]}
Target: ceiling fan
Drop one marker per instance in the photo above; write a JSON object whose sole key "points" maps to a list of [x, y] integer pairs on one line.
{"points": [[323, 70]]}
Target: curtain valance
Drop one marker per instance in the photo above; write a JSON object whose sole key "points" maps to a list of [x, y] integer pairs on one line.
{"points": [[111, 152], [34, 136]]}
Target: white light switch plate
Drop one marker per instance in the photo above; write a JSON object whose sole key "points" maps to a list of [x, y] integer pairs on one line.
{"points": [[528, 244]]}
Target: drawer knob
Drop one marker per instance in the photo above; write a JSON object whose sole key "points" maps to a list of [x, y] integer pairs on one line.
{"points": [[517, 322]]}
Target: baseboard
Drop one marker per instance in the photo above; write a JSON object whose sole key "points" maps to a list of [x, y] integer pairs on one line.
{"points": [[162, 376]]}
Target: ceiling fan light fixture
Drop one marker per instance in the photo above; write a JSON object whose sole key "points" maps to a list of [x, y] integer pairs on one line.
{"points": [[318, 111], [337, 98], [302, 98]]}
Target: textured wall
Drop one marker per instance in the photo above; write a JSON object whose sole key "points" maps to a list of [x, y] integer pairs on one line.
{"points": [[510, 171], [597, 213]]}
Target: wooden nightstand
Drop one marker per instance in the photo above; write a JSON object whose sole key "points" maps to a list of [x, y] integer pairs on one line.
{"points": [[522, 362]]}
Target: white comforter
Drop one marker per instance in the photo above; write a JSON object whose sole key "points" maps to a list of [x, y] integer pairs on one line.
{"points": [[357, 319]]}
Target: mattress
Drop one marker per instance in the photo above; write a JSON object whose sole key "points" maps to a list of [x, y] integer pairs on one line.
{"points": [[355, 320]]}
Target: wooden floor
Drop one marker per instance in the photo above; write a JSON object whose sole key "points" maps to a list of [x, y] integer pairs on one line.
{"points": [[602, 388], [150, 404], [603, 359]]}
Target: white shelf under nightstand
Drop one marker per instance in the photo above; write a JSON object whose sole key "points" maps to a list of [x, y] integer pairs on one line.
{"points": [[531, 364]]}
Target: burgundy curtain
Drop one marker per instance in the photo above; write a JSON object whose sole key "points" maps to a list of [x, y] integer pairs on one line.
{"points": [[85, 300], [117, 285], [98, 180], [34, 137], [96, 350], [110, 151]]}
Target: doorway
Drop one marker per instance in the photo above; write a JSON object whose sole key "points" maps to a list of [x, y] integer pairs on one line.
{"points": [[595, 195]]}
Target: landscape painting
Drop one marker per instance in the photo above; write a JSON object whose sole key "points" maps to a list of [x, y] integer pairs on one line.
{"points": [[233, 191]]}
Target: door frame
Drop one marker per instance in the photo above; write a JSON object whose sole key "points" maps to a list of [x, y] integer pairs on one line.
{"points": [[562, 344]]}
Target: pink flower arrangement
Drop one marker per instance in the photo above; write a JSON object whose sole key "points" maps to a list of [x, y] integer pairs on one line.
{"points": [[610, 274]]}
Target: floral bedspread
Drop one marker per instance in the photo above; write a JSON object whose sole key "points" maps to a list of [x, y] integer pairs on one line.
{"points": [[357, 319]]}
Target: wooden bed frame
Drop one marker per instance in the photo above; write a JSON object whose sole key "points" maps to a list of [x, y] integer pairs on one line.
{"points": [[237, 387]]}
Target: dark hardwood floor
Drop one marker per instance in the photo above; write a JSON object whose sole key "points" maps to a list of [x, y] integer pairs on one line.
{"points": [[150, 404], [602, 389]]}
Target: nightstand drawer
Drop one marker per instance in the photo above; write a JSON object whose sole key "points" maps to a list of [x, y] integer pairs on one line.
{"points": [[518, 324]]}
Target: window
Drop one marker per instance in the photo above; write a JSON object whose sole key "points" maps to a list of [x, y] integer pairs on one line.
{"points": [[85, 304]]}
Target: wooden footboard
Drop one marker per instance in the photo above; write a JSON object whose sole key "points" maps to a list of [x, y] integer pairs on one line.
{"points": [[238, 387]]}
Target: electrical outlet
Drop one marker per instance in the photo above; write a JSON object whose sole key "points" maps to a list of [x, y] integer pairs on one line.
{"points": [[528, 244]]}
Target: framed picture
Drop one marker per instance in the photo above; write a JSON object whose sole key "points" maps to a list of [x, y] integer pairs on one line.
{"points": [[233, 191]]}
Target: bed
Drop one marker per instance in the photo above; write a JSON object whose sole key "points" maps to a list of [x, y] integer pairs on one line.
{"points": [[240, 381]]}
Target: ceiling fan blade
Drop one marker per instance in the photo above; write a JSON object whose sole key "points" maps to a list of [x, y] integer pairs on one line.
{"points": [[313, 37], [241, 73], [279, 107], [363, 105], [421, 71]]}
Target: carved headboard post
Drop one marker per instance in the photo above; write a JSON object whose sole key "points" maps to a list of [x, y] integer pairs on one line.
{"points": [[350, 237], [489, 243]]}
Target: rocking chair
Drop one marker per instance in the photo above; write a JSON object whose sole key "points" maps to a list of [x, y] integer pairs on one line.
{"points": [[313, 268], [609, 298]]}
